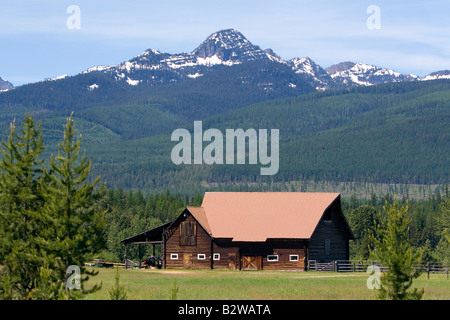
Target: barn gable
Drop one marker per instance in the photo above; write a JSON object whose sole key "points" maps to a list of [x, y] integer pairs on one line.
{"points": [[187, 242]]}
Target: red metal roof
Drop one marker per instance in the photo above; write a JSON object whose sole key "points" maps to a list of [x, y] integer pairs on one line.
{"points": [[258, 216], [200, 216]]}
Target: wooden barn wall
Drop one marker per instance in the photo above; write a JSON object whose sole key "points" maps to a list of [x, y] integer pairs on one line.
{"points": [[229, 255], [330, 240], [281, 248], [188, 254]]}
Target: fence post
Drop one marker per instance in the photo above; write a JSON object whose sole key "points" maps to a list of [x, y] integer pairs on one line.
{"points": [[428, 270], [335, 266]]}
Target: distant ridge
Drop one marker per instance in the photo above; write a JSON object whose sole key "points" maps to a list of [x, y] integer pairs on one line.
{"points": [[5, 85]]}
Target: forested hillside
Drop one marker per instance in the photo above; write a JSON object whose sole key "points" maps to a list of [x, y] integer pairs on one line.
{"points": [[391, 133]]}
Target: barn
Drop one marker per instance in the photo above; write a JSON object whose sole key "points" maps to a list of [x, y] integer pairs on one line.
{"points": [[253, 231]]}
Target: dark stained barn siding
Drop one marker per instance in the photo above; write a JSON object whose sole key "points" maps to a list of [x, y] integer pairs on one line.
{"points": [[228, 254], [187, 239], [188, 245], [330, 239]]}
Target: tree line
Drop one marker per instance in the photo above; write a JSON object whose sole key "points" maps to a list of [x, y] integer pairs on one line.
{"points": [[428, 224]]}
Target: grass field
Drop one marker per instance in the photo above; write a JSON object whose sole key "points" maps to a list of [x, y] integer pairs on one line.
{"points": [[151, 284]]}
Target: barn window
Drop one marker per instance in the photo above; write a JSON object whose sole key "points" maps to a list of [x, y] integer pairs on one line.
{"points": [[272, 257], [293, 257], [188, 233], [327, 217], [216, 256], [174, 256], [201, 256]]}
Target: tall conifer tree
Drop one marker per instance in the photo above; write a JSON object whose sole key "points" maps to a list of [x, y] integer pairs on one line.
{"points": [[24, 211], [393, 248], [78, 232]]}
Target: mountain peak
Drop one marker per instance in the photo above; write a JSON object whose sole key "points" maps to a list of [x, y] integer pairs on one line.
{"points": [[350, 73], [228, 45], [317, 75], [228, 38], [5, 85], [442, 74], [340, 67]]}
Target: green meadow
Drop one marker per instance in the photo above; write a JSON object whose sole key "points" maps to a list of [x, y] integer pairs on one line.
{"points": [[153, 284]]}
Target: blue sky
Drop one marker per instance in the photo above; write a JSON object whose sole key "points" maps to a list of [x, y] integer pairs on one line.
{"points": [[36, 44]]}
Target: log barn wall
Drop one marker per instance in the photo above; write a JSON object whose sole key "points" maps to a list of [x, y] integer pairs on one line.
{"points": [[330, 239], [188, 254]]}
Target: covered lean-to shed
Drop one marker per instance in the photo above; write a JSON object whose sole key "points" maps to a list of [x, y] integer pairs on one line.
{"points": [[253, 231]]}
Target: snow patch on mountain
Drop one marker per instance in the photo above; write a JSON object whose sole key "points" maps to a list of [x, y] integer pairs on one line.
{"points": [[443, 74], [93, 86], [98, 68], [59, 77], [132, 82], [214, 60], [361, 74], [195, 75]]}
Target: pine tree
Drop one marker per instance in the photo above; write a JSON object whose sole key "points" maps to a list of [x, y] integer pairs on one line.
{"points": [[79, 221], [443, 227], [361, 219], [393, 248], [24, 211], [118, 292]]}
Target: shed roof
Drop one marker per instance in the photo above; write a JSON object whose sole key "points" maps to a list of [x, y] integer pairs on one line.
{"points": [[150, 236]]}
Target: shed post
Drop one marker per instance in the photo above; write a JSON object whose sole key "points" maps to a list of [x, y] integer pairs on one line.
{"points": [[125, 256], [139, 254], [163, 250], [212, 254], [306, 258]]}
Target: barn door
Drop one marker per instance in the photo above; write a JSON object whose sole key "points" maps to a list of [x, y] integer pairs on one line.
{"points": [[188, 233], [187, 261], [251, 263], [232, 261]]}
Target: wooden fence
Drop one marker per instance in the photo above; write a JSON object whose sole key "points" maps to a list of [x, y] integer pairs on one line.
{"points": [[363, 265]]}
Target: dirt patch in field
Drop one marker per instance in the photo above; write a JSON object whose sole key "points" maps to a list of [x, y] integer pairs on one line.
{"points": [[168, 271], [333, 276]]}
